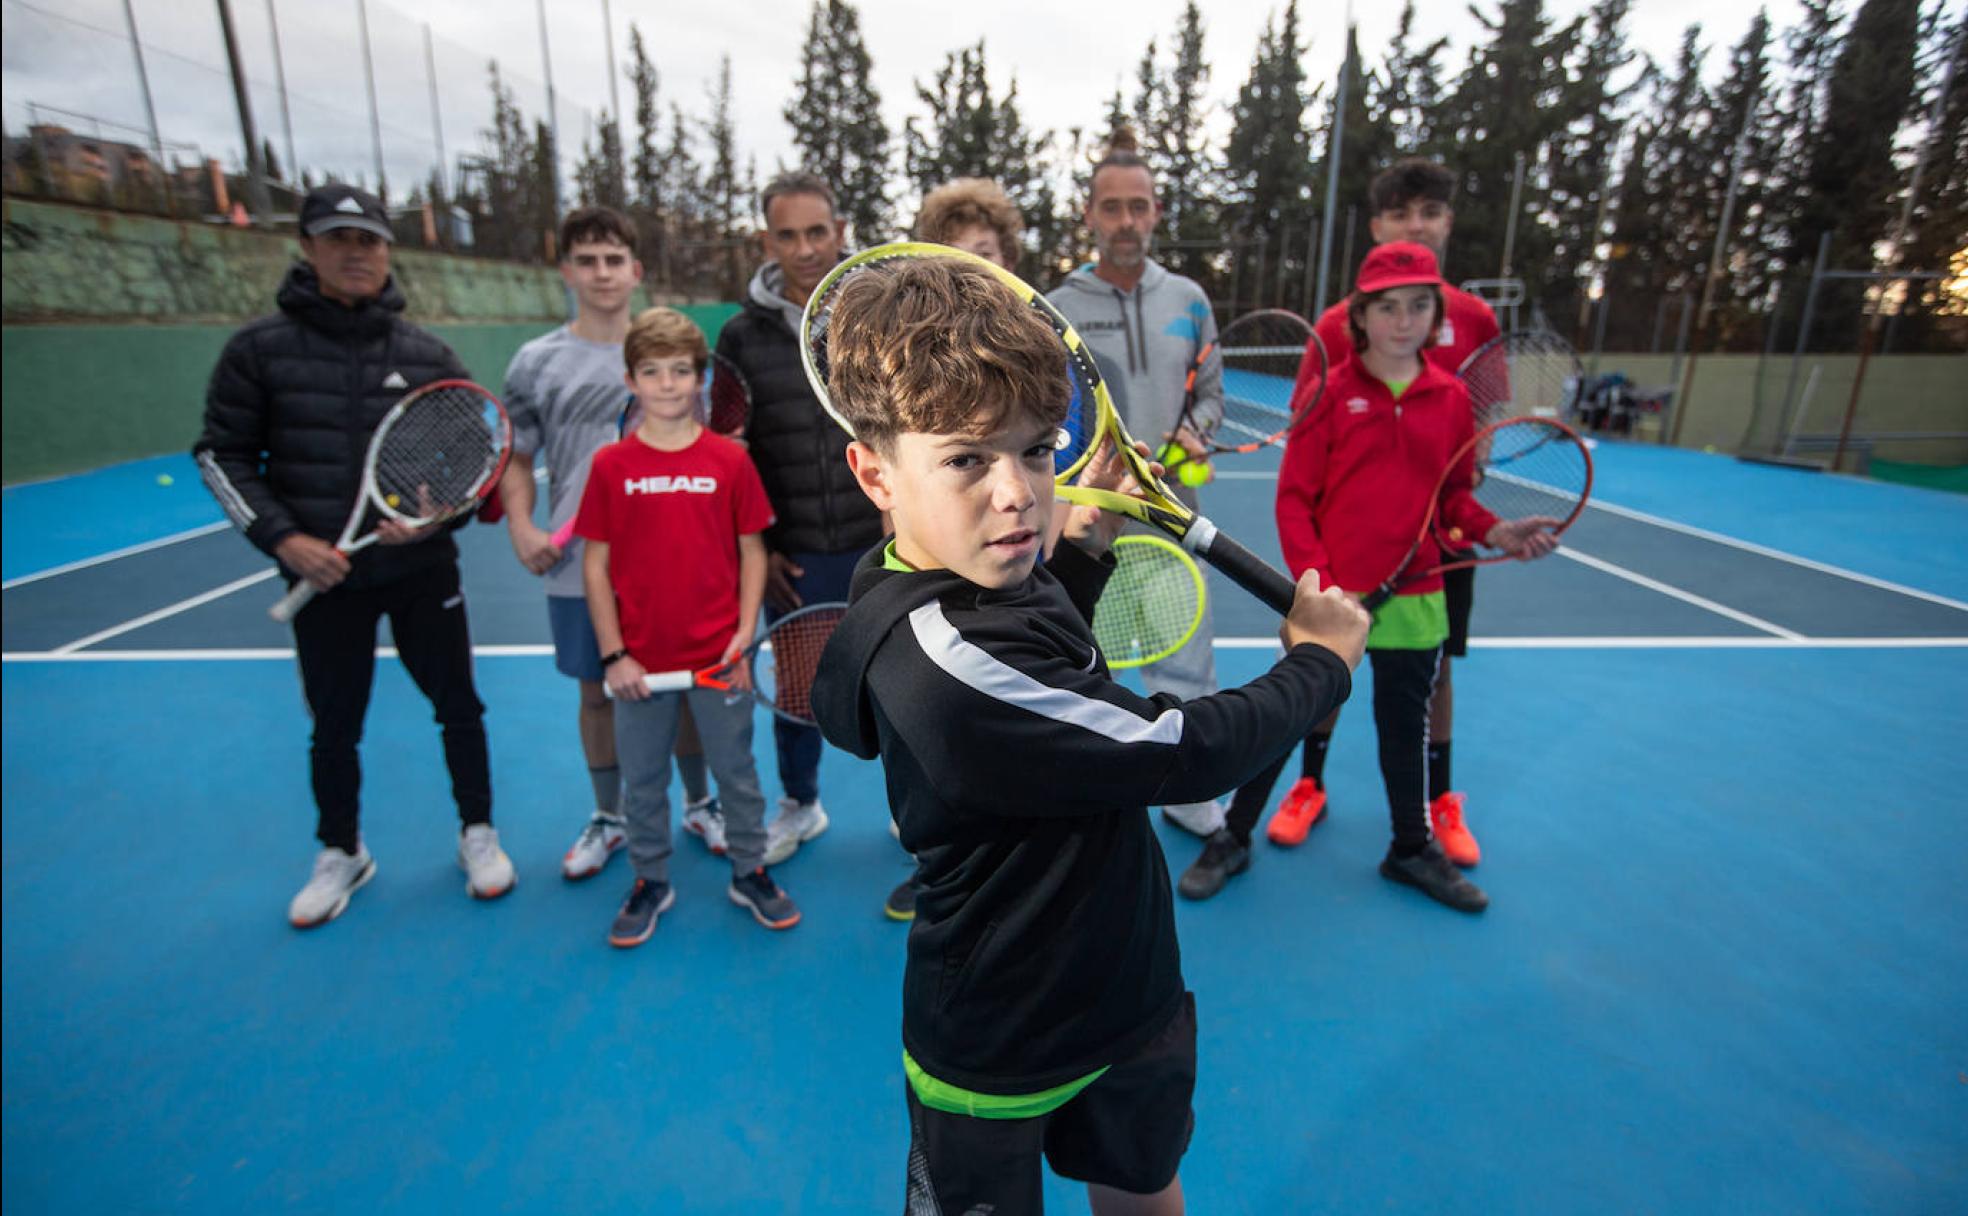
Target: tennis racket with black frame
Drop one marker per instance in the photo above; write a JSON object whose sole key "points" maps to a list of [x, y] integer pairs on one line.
{"points": [[725, 406], [1091, 423], [1531, 373], [1520, 470], [1261, 355], [435, 456], [777, 668], [1152, 605]]}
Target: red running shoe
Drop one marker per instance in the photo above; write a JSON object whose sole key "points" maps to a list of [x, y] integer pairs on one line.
{"points": [[1445, 817], [1302, 807]]}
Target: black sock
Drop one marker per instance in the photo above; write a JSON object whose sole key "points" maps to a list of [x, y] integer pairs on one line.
{"points": [[1315, 757], [1438, 769]]}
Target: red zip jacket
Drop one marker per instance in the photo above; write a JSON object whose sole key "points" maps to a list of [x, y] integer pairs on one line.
{"points": [[1353, 488]]}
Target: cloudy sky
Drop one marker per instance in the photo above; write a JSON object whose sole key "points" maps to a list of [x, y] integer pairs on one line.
{"points": [[73, 55]]}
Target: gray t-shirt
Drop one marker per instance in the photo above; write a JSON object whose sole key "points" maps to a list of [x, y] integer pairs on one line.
{"points": [[565, 397]]}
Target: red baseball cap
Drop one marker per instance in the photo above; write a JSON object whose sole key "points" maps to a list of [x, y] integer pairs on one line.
{"points": [[1397, 264]]}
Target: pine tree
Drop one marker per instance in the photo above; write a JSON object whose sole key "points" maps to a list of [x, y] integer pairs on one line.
{"points": [[724, 206], [1268, 173], [1582, 164], [1938, 233], [1409, 86], [1509, 101], [836, 118], [1742, 125], [1852, 178], [1367, 146], [970, 133], [1168, 122]]}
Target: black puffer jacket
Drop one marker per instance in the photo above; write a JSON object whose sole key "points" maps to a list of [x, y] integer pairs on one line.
{"points": [[290, 409], [800, 452]]}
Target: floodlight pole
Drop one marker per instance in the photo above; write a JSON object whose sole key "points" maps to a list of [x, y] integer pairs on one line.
{"points": [[553, 112], [437, 115], [1333, 149], [256, 191], [614, 83], [143, 81], [375, 118], [1510, 225], [280, 81]]}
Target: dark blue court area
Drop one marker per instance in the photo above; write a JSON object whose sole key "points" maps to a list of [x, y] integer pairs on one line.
{"points": [[1706, 752]]}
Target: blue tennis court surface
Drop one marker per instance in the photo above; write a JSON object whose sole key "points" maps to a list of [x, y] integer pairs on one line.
{"points": [[1705, 751]]}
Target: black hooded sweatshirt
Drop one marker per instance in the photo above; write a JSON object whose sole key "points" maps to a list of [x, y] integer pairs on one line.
{"points": [[1019, 773], [290, 410]]}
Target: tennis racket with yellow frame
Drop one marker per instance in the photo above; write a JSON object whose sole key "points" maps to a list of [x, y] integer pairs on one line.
{"points": [[1091, 423], [1152, 604]]}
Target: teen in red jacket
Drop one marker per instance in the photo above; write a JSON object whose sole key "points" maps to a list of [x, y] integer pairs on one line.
{"points": [[1353, 491], [1410, 201]]}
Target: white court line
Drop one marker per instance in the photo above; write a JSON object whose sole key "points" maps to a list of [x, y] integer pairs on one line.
{"points": [[131, 551], [149, 618], [275, 654], [1747, 546], [1686, 597]]}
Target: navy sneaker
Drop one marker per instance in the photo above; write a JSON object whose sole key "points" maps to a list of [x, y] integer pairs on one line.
{"points": [[637, 920], [901, 902], [1223, 858], [769, 905], [1437, 877]]}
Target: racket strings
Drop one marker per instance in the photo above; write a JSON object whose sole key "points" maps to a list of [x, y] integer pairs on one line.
{"points": [[1534, 468], [439, 453], [727, 403], [795, 643], [1531, 373], [1261, 358], [1150, 605]]}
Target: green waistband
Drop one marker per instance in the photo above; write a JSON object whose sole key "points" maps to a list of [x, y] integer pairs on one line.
{"points": [[1410, 622], [956, 1100]]}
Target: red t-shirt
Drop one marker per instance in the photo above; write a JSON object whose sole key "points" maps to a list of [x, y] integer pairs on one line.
{"points": [[671, 521]]}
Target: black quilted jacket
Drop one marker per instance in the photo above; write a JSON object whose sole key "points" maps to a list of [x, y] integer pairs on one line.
{"points": [[290, 409], [800, 452]]}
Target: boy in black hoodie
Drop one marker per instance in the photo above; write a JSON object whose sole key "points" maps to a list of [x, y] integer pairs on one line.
{"points": [[1043, 1008]]}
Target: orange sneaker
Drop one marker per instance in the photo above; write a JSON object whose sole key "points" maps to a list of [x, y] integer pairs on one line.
{"points": [[1302, 807], [1445, 817]]}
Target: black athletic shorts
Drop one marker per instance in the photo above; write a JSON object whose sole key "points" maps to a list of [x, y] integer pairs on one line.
{"points": [[1459, 592], [1128, 1130]]}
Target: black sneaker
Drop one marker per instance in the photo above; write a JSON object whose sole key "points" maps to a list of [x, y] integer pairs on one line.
{"points": [[1224, 856], [1437, 877], [901, 902], [637, 920], [763, 898]]}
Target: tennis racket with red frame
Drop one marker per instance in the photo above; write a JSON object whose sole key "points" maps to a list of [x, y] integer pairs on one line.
{"points": [[1261, 355], [725, 408], [435, 456], [1531, 373], [778, 667], [1532, 473]]}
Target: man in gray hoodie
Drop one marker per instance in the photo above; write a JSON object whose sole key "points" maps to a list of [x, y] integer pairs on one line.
{"points": [[1147, 325]]}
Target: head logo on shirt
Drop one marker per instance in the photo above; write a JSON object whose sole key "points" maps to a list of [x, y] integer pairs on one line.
{"points": [[669, 485], [1357, 405], [1446, 334]]}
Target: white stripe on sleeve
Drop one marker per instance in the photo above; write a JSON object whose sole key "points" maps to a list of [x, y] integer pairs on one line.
{"points": [[976, 668]]}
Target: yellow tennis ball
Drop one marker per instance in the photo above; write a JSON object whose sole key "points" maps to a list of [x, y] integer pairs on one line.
{"points": [[1172, 456], [391, 499], [163, 479], [1195, 473]]}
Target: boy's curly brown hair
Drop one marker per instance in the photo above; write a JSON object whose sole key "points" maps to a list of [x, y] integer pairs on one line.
{"points": [[970, 202], [658, 332], [943, 347]]}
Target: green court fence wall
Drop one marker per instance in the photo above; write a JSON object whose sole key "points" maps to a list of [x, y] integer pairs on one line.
{"points": [[112, 324]]}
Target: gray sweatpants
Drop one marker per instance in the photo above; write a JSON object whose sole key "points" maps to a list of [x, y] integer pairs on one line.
{"points": [[645, 735]]}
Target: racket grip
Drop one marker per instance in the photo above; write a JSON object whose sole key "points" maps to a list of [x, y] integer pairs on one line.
{"points": [[291, 604], [562, 535], [1372, 600], [1244, 568]]}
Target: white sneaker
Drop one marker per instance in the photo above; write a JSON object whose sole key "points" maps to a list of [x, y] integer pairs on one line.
{"points": [[1198, 818], [488, 871], [706, 819], [336, 877], [598, 842], [797, 823]]}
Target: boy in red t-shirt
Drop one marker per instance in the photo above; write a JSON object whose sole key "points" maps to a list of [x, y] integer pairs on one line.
{"points": [[674, 571], [1353, 487], [1410, 201]]}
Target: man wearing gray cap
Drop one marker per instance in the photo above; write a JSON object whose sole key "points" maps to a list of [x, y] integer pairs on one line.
{"points": [[288, 416]]}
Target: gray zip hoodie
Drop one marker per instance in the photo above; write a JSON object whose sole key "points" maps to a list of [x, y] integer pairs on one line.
{"points": [[1149, 336]]}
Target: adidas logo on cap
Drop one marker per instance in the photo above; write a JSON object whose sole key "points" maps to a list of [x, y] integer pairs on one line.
{"points": [[349, 206], [395, 380]]}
